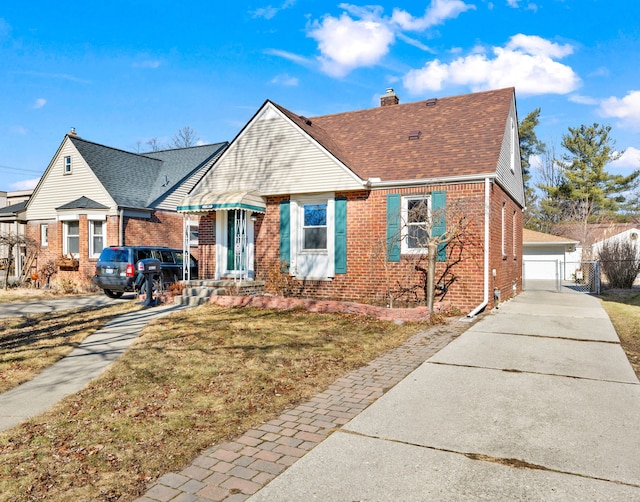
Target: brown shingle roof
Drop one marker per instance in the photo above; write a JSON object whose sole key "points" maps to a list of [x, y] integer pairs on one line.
{"points": [[459, 136], [533, 237]]}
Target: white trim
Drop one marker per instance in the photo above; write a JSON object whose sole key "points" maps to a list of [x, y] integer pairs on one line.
{"points": [[404, 219], [91, 227], [300, 256], [97, 216], [478, 178], [44, 235]]}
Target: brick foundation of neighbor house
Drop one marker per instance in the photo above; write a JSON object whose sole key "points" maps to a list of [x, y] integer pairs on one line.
{"points": [[164, 228], [369, 275]]}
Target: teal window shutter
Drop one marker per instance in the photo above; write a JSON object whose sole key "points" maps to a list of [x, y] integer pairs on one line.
{"points": [[341, 235], [393, 227], [285, 234], [439, 227]]}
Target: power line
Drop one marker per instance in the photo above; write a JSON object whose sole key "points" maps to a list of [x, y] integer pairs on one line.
{"points": [[20, 169]]}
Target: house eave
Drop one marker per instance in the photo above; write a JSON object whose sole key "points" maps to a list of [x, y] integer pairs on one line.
{"points": [[447, 180]]}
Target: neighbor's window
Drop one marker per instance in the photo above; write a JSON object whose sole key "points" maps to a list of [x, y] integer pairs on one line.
{"points": [[314, 227], [67, 165], [416, 219], [44, 235], [71, 241], [193, 234], [96, 238]]}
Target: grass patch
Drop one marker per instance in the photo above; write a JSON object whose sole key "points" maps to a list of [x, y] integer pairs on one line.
{"points": [[623, 308], [30, 343], [191, 380]]}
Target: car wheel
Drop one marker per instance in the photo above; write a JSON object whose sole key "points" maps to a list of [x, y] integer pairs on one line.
{"points": [[113, 294]]}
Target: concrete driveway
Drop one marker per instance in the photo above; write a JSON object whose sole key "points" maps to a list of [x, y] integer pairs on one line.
{"points": [[537, 401]]}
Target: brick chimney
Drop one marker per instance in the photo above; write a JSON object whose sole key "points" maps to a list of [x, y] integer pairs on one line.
{"points": [[389, 98]]}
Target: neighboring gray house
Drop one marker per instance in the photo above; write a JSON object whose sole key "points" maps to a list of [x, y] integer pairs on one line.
{"points": [[92, 196]]}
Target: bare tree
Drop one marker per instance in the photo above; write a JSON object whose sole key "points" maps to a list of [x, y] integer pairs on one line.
{"points": [[12, 242], [185, 137], [154, 145], [418, 272]]}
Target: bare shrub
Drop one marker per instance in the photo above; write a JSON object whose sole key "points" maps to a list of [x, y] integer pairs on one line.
{"points": [[620, 263]]}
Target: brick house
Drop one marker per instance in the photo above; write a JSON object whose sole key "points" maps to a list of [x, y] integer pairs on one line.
{"points": [[330, 199], [92, 196]]}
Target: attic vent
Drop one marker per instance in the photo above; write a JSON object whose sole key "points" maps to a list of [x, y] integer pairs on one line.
{"points": [[305, 119], [432, 102], [415, 134]]}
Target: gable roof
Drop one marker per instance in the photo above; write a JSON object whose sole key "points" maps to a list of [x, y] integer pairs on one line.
{"points": [[531, 237], [82, 203], [595, 232], [458, 136], [140, 180]]}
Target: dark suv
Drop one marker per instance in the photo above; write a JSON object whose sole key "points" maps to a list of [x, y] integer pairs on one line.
{"points": [[116, 268]]}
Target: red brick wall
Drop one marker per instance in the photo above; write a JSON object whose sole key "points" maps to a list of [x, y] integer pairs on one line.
{"points": [[163, 229], [369, 275]]}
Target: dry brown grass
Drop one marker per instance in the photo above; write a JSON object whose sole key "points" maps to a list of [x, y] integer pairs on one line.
{"points": [[30, 343], [191, 380], [623, 308]]}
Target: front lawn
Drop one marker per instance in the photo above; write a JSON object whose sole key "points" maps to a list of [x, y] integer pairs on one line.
{"points": [[191, 380], [623, 308]]}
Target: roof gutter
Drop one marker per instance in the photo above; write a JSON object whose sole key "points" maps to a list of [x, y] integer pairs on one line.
{"points": [[377, 183], [485, 300]]}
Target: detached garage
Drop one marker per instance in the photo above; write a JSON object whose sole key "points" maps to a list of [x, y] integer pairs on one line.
{"points": [[544, 256]]}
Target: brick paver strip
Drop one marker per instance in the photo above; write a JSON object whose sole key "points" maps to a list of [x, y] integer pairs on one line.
{"points": [[234, 470]]}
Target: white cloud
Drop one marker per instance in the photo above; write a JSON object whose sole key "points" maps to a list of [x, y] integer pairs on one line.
{"points": [[270, 11], [526, 62], [24, 184], [285, 80], [148, 63], [583, 100], [346, 44], [290, 56], [18, 129], [362, 36], [436, 13], [630, 159], [513, 3], [626, 109], [39, 103]]}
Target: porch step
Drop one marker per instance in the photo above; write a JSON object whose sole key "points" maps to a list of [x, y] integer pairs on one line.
{"points": [[197, 292]]}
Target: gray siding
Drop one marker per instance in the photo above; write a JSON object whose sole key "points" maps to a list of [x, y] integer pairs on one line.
{"points": [[510, 179], [274, 157]]}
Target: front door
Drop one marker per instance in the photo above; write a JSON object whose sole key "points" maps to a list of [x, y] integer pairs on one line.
{"points": [[234, 248]]}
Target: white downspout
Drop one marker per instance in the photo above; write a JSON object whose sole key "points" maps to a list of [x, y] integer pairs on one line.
{"points": [[485, 300]]}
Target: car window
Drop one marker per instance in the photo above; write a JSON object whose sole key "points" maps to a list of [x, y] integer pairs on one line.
{"points": [[166, 256], [142, 254], [110, 254]]}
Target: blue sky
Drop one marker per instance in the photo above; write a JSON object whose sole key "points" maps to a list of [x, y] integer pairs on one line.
{"points": [[122, 73]]}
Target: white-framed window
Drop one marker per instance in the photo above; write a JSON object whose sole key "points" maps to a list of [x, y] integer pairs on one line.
{"points": [[96, 237], [314, 226], [313, 237], [67, 165], [193, 234], [71, 238], [44, 235], [416, 224]]}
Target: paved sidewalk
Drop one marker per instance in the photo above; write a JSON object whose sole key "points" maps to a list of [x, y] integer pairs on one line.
{"points": [[15, 309], [233, 471], [73, 372]]}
